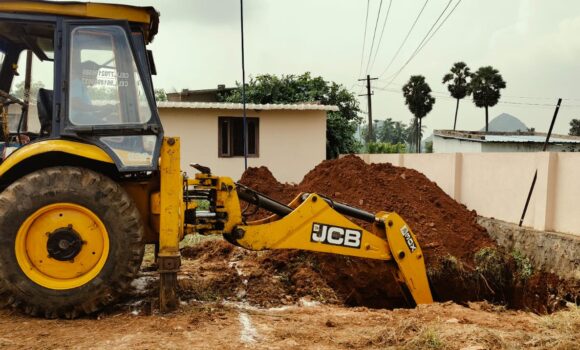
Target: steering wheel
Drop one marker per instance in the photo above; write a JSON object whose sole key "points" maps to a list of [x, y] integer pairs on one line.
{"points": [[9, 99]]}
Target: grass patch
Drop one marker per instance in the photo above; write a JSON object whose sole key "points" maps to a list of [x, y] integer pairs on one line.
{"points": [[195, 239], [428, 339], [492, 265]]}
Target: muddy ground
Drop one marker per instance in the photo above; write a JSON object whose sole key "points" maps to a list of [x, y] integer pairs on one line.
{"points": [[210, 318], [487, 298], [463, 262]]}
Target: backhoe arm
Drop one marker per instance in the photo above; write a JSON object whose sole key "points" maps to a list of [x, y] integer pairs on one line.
{"points": [[312, 222]]}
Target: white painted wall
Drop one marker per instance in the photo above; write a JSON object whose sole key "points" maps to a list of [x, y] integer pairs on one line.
{"points": [[291, 142], [444, 145], [497, 184]]}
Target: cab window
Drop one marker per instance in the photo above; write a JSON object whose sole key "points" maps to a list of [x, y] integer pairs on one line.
{"points": [[105, 87]]}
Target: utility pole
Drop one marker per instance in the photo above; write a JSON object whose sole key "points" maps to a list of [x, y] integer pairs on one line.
{"points": [[370, 107], [245, 121]]}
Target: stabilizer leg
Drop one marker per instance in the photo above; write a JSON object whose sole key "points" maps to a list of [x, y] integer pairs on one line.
{"points": [[168, 267], [171, 223]]}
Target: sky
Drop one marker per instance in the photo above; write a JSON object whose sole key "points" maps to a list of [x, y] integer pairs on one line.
{"points": [[533, 43]]}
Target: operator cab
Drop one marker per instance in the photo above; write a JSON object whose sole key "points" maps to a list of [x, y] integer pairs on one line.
{"points": [[76, 75]]}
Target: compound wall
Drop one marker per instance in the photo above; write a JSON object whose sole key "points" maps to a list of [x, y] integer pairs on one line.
{"points": [[497, 184]]}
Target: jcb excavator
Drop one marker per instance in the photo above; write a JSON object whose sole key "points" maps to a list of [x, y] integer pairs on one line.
{"points": [[81, 197]]}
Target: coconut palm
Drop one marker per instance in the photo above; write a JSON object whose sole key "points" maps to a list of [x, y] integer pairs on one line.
{"points": [[418, 98], [459, 86], [485, 86]]}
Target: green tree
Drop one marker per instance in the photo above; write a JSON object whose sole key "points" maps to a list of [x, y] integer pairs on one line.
{"points": [[418, 98], [458, 86], [429, 146], [485, 86], [385, 147], [393, 132], [575, 127], [160, 95], [340, 126], [375, 137]]}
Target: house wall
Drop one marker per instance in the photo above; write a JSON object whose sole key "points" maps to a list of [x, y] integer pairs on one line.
{"points": [[291, 142], [444, 145], [497, 184]]}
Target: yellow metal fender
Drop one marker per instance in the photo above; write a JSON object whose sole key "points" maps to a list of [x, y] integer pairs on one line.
{"points": [[37, 148]]}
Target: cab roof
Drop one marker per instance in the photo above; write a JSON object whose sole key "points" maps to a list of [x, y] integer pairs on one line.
{"points": [[147, 17]]}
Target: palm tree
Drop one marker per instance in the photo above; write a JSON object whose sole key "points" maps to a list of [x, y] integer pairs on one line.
{"points": [[459, 88], [418, 97], [485, 86]]}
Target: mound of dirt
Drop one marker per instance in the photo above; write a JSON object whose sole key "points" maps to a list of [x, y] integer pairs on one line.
{"points": [[443, 226], [463, 262]]}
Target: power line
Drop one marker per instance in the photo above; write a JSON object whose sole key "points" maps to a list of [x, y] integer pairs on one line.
{"points": [[400, 85], [440, 94], [382, 32], [405, 40], [441, 24], [362, 58], [426, 38], [426, 35], [374, 35]]}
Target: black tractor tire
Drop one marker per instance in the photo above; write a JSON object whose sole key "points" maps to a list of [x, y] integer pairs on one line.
{"points": [[86, 188]]}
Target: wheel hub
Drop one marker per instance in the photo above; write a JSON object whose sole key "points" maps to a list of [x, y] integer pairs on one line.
{"points": [[64, 244]]}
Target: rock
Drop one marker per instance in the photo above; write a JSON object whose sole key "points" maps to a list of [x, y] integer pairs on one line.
{"points": [[329, 323]]}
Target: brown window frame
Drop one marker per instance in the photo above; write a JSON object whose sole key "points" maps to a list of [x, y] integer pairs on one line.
{"points": [[229, 136]]}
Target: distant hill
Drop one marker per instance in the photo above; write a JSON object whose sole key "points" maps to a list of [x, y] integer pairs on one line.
{"points": [[506, 123]]}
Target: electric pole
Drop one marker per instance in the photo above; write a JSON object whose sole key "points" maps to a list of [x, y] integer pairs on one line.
{"points": [[370, 107]]}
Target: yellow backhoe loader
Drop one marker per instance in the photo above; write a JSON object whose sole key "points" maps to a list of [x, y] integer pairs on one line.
{"points": [[82, 196]]}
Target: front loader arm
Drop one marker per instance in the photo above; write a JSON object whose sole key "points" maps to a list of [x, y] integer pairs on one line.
{"points": [[312, 222]]}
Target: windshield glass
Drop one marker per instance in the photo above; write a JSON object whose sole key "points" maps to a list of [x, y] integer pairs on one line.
{"points": [[105, 86]]}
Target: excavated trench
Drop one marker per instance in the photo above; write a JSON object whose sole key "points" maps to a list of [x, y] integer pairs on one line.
{"points": [[464, 263]]}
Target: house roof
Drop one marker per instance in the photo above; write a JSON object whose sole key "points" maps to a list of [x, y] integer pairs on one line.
{"points": [[252, 106], [506, 137]]}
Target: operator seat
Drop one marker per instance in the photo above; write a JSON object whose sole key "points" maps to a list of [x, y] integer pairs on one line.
{"points": [[44, 107]]}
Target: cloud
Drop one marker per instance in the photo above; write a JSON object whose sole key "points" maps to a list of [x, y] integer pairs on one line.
{"points": [[210, 12]]}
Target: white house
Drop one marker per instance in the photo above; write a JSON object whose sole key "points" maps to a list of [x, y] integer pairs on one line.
{"points": [[290, 139]]}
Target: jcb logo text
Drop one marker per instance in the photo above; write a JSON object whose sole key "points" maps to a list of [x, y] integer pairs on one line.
{"points": [[335, 235]]}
